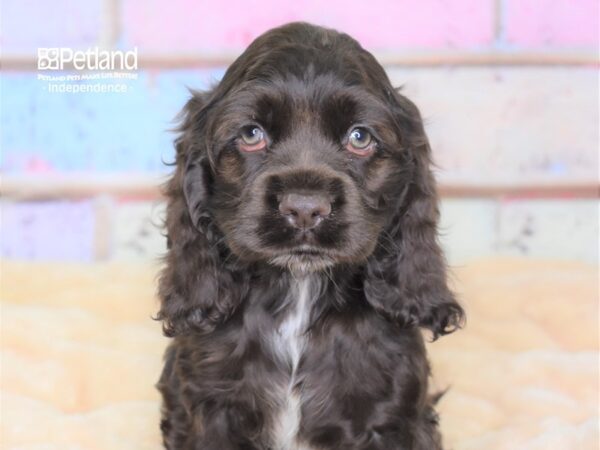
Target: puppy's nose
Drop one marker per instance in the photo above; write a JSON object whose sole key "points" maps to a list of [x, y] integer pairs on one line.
{"points": [[304, 211]]}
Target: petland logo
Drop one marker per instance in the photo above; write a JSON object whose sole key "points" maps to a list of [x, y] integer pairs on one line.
{"points": [[92, 71], [60, 58]]}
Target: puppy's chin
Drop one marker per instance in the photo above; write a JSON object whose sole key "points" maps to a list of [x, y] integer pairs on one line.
{"points": [[300, 260]]}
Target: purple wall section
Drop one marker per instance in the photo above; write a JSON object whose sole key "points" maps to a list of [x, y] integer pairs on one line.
{"points": [[59, 230], [29, 24]]}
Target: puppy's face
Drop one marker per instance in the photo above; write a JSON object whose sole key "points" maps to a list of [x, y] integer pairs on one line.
{"points": [[306, 157]]}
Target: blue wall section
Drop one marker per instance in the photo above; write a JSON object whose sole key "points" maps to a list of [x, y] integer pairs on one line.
{"points": [[104, 132]]}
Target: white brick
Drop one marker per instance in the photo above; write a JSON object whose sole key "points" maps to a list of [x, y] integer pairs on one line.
{"points": [[560, 229], [509, 125], [137, 231], [467, 229]]}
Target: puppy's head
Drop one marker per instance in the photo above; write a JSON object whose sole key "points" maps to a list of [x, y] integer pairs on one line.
{"points": [[302, 150], [304, 157]]}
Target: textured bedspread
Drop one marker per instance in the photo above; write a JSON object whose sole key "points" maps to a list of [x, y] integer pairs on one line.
{"points": [[80, 356]]}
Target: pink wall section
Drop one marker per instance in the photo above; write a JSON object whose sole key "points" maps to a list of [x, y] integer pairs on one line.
{"points": [[187, 25], [556, 23]]}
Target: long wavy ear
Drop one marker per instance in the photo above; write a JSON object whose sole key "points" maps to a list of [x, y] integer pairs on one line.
{"points": [[406, 276], [196, 289]]}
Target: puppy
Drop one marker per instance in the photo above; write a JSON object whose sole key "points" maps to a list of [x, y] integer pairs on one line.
{"points": [[303, 257]]}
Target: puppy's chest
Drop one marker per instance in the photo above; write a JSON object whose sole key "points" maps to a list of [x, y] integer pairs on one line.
{"points": [[289, 341]]}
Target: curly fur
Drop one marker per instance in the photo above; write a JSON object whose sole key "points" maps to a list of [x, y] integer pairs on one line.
{"points": [[229, 288]]}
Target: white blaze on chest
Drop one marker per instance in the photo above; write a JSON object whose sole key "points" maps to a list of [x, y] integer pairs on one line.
{"points": [[289, 343], [290, 337]]}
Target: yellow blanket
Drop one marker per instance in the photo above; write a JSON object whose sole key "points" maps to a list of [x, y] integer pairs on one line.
{"points": [[80, 356]]}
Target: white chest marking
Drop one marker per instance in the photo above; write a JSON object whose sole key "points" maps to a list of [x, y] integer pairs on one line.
{"points": [[289, 343], [290, 338]]}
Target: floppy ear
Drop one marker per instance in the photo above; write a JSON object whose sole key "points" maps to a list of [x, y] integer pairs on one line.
{"points": [[197, 184], [406, 278], [196, 288]]}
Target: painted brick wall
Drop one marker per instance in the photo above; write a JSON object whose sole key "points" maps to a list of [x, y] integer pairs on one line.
{"points": [[524, 122]]}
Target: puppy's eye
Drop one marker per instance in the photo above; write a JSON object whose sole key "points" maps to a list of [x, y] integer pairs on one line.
{"points": [[252, 139], [360, 142]]}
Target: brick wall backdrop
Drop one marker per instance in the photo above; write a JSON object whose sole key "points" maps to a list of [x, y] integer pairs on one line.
{"points": [[508, 88]]}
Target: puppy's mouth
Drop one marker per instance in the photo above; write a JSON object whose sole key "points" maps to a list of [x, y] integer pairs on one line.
{"points": [[303, 258], [306, 251]]}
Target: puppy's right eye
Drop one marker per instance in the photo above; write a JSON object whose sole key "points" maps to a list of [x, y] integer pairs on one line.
{"points": [[252, 139]]}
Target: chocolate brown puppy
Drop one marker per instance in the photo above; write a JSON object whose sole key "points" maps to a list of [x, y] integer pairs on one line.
{"points": [[303, 259]]}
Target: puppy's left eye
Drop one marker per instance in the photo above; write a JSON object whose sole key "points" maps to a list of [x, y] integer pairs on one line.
{"points": [[252, 139], [360, 142]]}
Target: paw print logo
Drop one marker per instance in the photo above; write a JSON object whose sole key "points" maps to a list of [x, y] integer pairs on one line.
{"points": [[48, 59]]}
